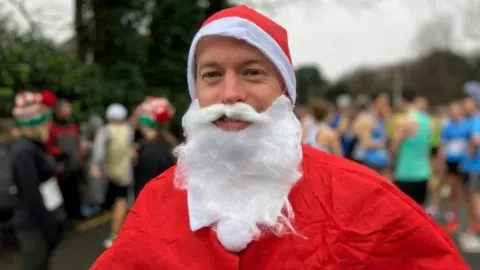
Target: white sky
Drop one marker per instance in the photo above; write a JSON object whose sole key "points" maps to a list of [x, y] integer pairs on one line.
{"points": [[326, 35]]}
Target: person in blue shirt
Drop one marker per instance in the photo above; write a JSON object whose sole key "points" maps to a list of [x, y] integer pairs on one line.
{"points": [[470, 166], [454, 145]]}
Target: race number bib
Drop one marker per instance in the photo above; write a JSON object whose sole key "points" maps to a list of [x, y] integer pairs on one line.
{"points": [[456, 147], [51, 195]]}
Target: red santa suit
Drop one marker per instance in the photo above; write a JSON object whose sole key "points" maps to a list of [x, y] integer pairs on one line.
{"points": [[346, 216], [350, 217]]}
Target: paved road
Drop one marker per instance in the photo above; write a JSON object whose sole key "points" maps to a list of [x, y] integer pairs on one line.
{"points": [[79, 250]]}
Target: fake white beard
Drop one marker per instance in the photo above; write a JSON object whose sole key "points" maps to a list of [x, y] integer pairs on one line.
{"points": [[241, 179]]}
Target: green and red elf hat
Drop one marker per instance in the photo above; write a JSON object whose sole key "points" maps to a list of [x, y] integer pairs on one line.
{"points": [[155, 111], [32, 109]]}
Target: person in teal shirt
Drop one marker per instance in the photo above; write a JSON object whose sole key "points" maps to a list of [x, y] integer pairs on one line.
{"points": [[411, 147]]}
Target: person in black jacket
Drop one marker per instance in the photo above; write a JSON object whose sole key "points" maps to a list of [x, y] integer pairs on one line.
{"points": [[39, 212], [154, 152]]}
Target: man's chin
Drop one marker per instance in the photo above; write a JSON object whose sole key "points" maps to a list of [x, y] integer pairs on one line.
{"points": [[232, 125]]}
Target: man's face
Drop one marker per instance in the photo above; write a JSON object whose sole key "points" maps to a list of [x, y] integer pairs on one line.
{"points": [[242, 154], [65, 110], [469, 105], [421, 103], [231, 71], [382, 102], [455, 111]]}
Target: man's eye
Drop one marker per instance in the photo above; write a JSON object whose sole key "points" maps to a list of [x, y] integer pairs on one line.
{"points": [[253, 72], [211, 74]]}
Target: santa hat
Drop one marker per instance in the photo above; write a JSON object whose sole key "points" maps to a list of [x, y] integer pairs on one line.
{"points": [[244, 23], [32, 108], [155, 111]]}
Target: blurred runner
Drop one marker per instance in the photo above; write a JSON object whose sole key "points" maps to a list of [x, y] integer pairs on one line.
{"points": [[454, 138], [469, 241], [319, 134], [39, 212], [370, 149], [112, 150], [411, 148], [154, 152]]}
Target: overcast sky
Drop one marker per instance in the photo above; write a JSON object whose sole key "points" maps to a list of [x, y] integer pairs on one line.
{"points": [[326, 35]]}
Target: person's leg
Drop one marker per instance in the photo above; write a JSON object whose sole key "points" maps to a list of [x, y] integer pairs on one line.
{"points": [[119, 212], [34, 249], [69, 186], [469, 241], [436, 197], [421, 191], [465, 185]]}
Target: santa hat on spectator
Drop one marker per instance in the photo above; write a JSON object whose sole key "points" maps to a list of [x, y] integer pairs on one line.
{"points": [[32, 108], [244, 23], [155, 111]]}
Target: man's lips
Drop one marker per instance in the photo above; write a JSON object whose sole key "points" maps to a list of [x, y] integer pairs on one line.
{"points": [[231, 124]]}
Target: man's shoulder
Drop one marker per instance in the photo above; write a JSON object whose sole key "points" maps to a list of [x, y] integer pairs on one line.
{"points": [[161, 185], [350, 197], [315, 160], [352, 188]]}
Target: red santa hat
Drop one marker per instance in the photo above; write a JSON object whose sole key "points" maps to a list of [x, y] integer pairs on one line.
{"points": [[244, 23], [32, 108], [155, 111]]}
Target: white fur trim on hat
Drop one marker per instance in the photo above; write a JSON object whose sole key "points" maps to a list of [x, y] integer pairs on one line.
{"points": [[248, 31]]}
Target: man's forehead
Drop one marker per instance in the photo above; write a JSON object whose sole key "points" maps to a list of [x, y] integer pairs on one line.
{"points": [[215, 49]]}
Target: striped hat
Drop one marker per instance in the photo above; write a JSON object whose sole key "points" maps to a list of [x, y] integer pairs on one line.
{"points": [[244, 23], [32, 108], [155, 111]]}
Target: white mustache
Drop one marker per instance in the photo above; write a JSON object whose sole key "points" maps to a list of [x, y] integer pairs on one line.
{"points": [[236, 111]]}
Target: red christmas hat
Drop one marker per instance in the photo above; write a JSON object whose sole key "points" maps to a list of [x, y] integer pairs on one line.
{"points": [[244, 23]]}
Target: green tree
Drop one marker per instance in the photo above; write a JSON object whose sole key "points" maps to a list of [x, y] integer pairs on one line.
{"points": [[310, 83]]}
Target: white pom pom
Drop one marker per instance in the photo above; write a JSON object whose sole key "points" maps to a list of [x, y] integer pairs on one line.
{"points": [[234, 235]]}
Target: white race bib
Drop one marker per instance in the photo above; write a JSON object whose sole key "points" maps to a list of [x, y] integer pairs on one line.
{"points": [[456, 147], [51, 194]]}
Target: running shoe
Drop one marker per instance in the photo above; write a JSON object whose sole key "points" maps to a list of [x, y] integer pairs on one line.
{"points": [[109, 241], [469, 243]]}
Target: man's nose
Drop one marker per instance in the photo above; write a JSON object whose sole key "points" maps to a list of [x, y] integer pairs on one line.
{"points": [[232, 91]]}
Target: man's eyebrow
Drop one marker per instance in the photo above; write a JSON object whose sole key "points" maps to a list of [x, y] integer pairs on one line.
{"points": [[215, 64], [208, 64], [251, 62]]}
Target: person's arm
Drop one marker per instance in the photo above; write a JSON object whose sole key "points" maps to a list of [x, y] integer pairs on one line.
{"points": [[335, 143], [98, 152], [401, 132], [443, 140], [363, 129], [28, 183]]}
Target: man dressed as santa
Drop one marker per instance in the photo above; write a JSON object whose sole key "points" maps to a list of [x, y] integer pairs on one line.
{"points": [[245, 194]]}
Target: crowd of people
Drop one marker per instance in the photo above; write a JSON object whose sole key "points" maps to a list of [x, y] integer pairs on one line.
{"points": [[55, 173], [420, 149]]}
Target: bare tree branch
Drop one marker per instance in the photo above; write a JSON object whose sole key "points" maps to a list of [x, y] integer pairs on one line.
{"points": [[19, 5]]}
